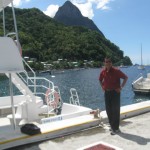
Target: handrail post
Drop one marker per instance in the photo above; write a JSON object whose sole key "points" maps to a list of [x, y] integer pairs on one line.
{"points": [[34, 85], [15, 25], [12, 100], [4, 22], [33, 75]]}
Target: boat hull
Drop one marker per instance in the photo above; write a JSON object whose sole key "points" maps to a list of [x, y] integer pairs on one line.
{"points": [[142, 91], [141, 86], [49, 131]]}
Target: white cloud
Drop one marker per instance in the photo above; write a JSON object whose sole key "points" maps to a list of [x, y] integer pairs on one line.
{"points": [[102, 4], [51, 10], [86, 9], [79, 1], [19, 2], [86, 6]]}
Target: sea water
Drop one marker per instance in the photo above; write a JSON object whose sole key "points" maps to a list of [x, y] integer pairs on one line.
{"points": [[86, 82]]}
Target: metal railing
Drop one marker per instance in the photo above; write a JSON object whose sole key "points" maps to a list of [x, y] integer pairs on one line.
{"points": [[34, 82], [138, 76]]}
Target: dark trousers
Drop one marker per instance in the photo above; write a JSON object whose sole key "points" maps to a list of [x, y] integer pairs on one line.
{"points": [[112, 103]]}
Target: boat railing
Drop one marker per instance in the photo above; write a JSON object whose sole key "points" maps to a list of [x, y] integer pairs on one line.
{"points": [[46, 88], [28, 78], [74, 99], [138, 76], [41, 83], [38, 85]]}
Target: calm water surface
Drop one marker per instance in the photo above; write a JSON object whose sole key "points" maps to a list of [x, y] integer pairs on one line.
{"points": [[85, 81]]}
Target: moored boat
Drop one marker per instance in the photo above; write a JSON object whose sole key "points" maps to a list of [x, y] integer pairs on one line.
{"points": [[142, 85]]}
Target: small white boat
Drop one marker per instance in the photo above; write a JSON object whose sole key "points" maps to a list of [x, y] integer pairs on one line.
{"points": [[122, 66], [142, 85], [141, 67], [40, 105]]}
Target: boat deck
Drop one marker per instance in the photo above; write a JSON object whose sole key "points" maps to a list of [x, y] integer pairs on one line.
{"points": [[48, 131], [135, 135]]}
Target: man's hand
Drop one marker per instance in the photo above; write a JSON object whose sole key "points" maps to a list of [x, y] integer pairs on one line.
{"points": [[118, 90]]}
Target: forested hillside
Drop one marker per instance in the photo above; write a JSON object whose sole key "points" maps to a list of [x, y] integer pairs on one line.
{"points": [[43, 38]]}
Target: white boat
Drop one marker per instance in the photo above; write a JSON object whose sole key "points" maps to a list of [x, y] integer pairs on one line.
{"points": [[122, 66], [142, 85], [51, 116], [141, 66]]}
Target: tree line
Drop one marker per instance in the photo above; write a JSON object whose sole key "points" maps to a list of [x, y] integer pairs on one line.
{"points": [[43, 38]]}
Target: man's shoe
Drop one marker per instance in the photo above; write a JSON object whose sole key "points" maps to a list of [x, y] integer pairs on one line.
{"points": [[113, 132], [118, 131], [110, 129]]}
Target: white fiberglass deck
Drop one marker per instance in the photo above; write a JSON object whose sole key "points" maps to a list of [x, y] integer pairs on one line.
{"points": [[10, 137]]}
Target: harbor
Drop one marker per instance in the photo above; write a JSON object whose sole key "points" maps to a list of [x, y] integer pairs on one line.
{"points": [[65, 110]]}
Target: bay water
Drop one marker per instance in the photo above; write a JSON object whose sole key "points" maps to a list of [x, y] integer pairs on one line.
{"points": [[86, 82]]}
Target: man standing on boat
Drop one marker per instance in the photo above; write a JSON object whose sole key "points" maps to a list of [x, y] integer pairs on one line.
{"points": [[110, 82]]}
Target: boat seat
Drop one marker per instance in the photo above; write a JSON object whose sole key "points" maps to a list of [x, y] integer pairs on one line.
{"points": [[17, 119]]}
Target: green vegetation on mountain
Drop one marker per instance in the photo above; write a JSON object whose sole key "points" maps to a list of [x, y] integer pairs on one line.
{"points": [[43, 38]]}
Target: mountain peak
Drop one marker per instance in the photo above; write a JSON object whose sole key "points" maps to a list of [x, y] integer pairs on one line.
{"points": [[70, 15], [67, 10]]}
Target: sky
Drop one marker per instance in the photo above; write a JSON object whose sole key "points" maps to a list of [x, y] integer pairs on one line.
{"points": [[126, 23]]}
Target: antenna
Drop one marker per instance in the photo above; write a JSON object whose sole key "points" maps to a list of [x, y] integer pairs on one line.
{"points": [[141, 55]]}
